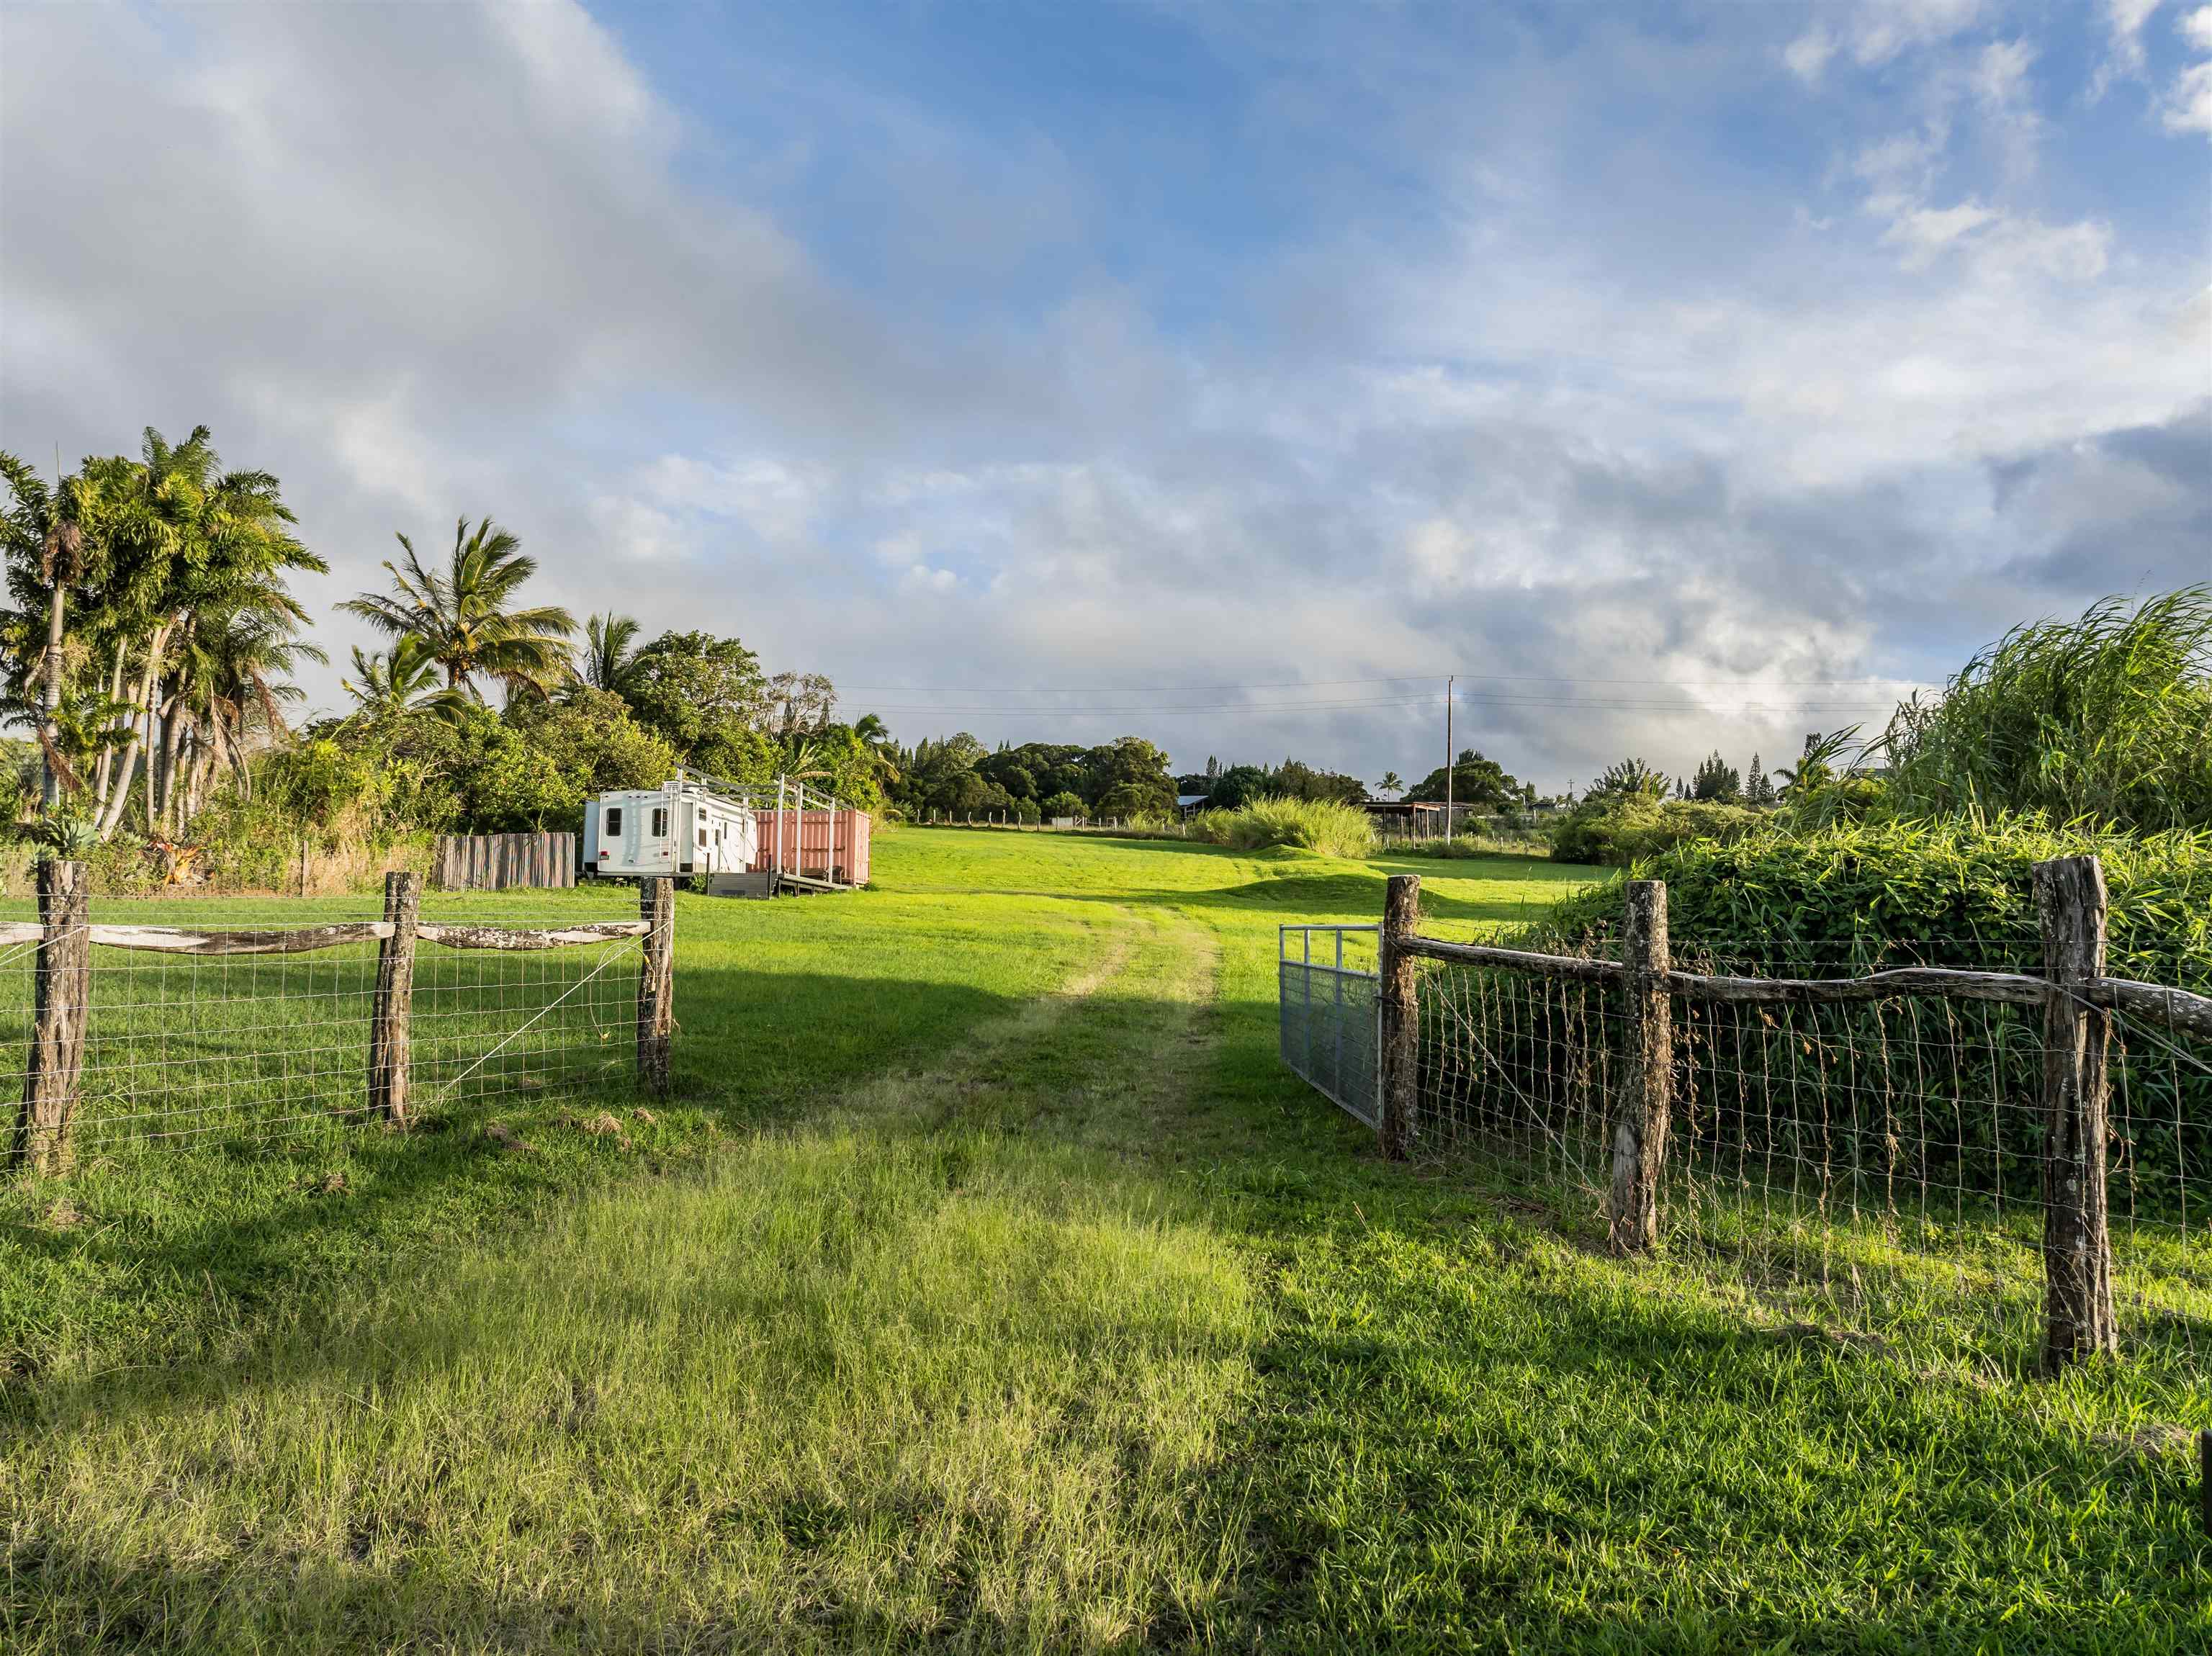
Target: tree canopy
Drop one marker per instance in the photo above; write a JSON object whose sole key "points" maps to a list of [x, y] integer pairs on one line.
{"points": [[1481, 783]]}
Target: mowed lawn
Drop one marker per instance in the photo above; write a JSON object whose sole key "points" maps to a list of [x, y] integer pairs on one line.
{"points": [[990, 1286]]}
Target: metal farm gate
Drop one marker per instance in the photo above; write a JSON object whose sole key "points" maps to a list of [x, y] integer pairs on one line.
{"points": [[1328, 1010]]}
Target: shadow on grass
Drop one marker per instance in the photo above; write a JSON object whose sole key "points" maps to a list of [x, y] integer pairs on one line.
{"points": [[1292, 899], [154, 1245], [1453, 1442], [63, 1596]]}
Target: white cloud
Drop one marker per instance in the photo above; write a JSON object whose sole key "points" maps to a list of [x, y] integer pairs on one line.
{"points": [[2187, 106], [2006, 98], [2124, 25], [1879, 29], [1927, 231], [2001, 72], [776, 499], [629, 532], [1808, 54]]}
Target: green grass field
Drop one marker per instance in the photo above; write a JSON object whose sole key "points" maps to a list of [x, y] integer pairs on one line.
{"points": [[991, 1286]]}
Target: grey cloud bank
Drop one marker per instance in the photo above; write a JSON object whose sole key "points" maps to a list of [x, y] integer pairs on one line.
{"points": [[1680, 417]]}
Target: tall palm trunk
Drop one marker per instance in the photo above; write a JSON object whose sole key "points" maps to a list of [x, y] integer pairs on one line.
{"points": [[124, 770], [163, 805], [50, 787], [206, 730], [107, 751], [146, 697], [162, 798]]}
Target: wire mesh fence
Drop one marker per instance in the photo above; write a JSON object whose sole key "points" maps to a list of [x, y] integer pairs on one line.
{"points": [[178, 1048], [1878, 1164]]}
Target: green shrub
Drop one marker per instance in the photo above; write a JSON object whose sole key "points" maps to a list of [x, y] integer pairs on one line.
{"points": [[1857, 897], [1614, 829], [1327, 826], [1948, 893]]}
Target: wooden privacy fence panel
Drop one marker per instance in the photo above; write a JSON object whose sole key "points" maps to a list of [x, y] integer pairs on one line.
{"points": [[142, 1032], [1898, 1131], [504, 862]]}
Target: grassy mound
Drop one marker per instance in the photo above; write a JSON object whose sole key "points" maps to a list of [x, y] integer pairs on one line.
{"points": [[1321, 825]]}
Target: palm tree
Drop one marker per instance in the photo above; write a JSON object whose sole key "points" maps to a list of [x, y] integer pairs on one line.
{"points": [[1391, 783], [464, 613], [1817, 765], [392, 680], [1631, 777], [187, 545], [233, 679], [43, 530], [610, 652], [876, 736], [84, 724]]}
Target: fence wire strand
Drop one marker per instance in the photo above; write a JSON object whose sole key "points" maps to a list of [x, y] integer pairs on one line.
{"points": [[182, 1048], [1875, 1167]]}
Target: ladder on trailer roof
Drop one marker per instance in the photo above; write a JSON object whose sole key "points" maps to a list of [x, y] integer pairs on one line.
{"points": [[787, 795]]}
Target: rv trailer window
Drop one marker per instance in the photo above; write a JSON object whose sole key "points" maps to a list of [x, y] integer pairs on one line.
{"points": [[703, 834], [660, 821], [614, 822]]}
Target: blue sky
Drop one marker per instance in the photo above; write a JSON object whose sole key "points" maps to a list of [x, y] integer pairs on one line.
{"points": [[1681, 376]]}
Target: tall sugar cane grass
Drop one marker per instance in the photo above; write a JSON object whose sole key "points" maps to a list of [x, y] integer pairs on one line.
{"points": [[2105, 720]]}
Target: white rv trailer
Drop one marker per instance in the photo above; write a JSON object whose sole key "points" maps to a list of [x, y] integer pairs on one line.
{"points": [[683, 826]]}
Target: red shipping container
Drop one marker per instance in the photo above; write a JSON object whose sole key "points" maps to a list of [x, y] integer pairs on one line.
{"points": [[815, 844]]}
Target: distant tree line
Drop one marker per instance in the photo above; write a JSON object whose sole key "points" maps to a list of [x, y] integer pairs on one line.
{"points": [[959, 776], [151, 635]]}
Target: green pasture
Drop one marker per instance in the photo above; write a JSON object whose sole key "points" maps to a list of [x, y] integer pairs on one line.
{"points": [[988, 1285]]}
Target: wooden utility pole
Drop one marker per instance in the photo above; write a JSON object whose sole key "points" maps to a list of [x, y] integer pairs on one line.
{"points": [[388, 1032], [1449, 777], [53, 1080], [2077, 1244], [656, 983], [1639, 1128], [1398, 1035]]}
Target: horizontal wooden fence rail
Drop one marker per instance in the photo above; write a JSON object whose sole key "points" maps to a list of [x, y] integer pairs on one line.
{"points": [[43, 1140], [307, 939], [1633, 1054], [2183, 1008]]}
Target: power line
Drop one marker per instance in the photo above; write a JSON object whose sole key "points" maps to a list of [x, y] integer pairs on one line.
{"points": [[1403, 678], [1746, 709]]}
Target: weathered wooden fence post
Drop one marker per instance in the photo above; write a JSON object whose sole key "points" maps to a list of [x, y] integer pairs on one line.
{"points": [[62, 1003], [656, 983], [2077, 1244], [1639, 1128], [1398, 1033], [388, 1042]]}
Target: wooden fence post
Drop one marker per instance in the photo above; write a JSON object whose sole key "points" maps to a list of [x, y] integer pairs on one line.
{"points": [[1398, 1034], [1639, 1128], [656, 983], [2077, 1244], [53, 1079], [395, 1000]]}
